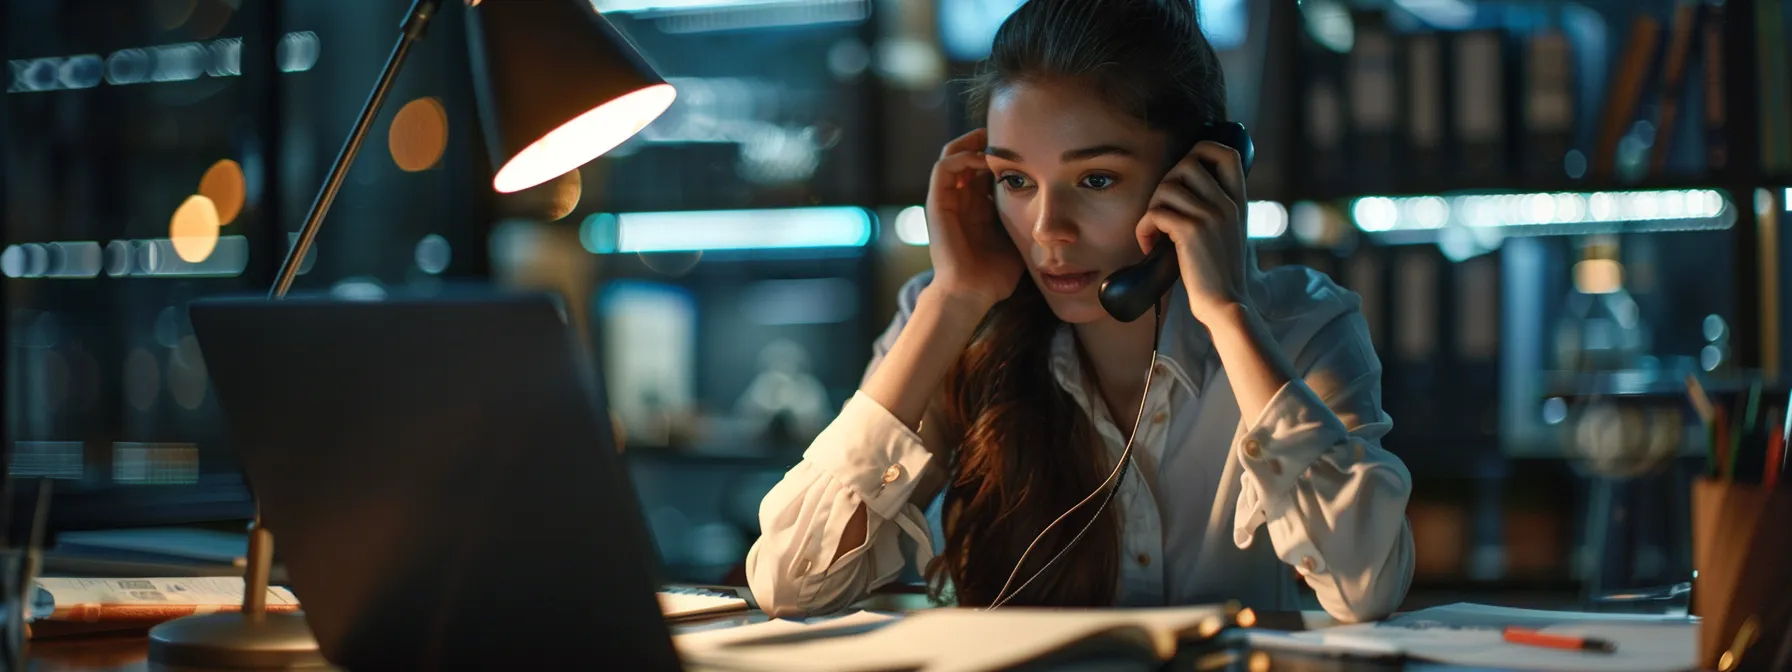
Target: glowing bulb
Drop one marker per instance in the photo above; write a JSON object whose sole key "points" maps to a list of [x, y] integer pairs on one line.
{"points": [[586, 137]]}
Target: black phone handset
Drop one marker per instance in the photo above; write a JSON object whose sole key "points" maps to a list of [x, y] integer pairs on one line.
{"points": [[1130, 291]]}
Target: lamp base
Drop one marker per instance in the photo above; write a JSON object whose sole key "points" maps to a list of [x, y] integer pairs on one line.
{"points": [[231, 640]]}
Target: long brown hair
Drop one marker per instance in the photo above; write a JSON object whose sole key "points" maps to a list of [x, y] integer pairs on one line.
{"points": [[1026, 453]]}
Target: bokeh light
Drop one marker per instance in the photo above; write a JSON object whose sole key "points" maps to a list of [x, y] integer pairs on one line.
{"points": [[225, 185], [194, 229], [433, 254], [419, 134]]}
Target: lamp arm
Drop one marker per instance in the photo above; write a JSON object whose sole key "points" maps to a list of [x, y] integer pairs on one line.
{"points": [[416, 20], [260, 558]]}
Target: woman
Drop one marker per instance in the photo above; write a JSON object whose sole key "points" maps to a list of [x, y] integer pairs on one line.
{"points": [[1001, 377]]}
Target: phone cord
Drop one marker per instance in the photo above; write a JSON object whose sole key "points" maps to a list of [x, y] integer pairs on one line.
{"points": [[1111, 485]]}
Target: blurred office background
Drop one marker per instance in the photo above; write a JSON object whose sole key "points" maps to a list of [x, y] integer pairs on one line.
{"points": [[1554, 211]]}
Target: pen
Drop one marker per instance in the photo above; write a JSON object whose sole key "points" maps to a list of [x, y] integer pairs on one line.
{"points": [[1530, 637]]}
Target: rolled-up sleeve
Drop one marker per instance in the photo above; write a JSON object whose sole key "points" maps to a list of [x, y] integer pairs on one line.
{"points": [[1317, 478], [868, 457]]}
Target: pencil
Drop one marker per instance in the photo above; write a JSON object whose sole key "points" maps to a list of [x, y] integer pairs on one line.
{"points": [[1528, 637]]}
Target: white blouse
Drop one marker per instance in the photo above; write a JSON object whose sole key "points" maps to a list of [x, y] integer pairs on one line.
{"points": [[1310, 470]]}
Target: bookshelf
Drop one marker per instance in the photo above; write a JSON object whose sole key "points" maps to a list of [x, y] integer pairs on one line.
{"points": [[1664, 102], [1542, 97]]}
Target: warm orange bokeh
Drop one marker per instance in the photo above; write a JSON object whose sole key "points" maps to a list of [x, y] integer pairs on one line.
{"points": [[194, 229]]}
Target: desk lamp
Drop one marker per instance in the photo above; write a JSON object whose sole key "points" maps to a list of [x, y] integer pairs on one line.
{"points": [[557, 86]]}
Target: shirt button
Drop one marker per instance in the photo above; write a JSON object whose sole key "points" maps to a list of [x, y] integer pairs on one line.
{"points": [[1158, 417], [1144, 559], [893, 473], [1253, 447], [1308, 563], [1158, 370]]}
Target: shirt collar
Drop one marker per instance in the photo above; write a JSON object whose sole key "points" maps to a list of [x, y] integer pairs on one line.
{"points": [[1183, 347]]}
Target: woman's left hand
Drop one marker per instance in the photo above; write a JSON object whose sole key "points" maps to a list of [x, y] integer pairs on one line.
{"points": [[1200, 207]]}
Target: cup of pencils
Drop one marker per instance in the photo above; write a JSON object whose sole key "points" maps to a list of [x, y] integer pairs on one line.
{"points": [[1742, 533]]}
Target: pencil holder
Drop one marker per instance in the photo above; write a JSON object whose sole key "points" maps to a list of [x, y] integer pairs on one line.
{"points": [[1742, 551]]}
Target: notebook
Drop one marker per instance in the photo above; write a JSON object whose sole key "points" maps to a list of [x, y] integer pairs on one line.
{"points": [[967, 640]]}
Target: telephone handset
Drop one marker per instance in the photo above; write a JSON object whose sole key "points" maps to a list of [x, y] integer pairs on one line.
{"points": [[1130, 291]]}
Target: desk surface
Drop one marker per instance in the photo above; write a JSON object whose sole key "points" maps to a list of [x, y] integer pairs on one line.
{"points": [[129, 651]]}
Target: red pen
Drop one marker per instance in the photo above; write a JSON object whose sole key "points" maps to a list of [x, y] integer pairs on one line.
{"points": [[1530, 637]]}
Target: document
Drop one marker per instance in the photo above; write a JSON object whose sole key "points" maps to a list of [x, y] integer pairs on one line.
{"points": [[1472, 634]]}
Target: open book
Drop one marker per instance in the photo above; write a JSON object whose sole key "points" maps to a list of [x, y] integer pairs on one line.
{"points": [[962, 640]]}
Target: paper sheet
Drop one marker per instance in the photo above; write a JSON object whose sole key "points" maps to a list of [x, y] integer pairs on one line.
{"points": [[1641, 647], [1471, 634], [1467, 614]]}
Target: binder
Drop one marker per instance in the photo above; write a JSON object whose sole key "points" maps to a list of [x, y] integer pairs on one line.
{"points": [[1548, 106], [1480, 119], [1326, 121], [1374, 101], [1716, 111], [1624, 92], [1425, 57]]}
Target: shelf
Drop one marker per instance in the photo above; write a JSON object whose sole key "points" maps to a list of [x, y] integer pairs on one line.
{"points": [[1524, 186], [1669, 385]]}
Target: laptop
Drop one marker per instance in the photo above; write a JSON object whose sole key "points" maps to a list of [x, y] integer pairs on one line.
{"points": [[441, 480]]}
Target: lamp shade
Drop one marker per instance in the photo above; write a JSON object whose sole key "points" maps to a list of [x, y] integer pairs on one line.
{"points": [[557, 86]]}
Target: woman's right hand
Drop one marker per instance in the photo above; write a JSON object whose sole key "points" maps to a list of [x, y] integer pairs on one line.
{"points": [[972, 255]]}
